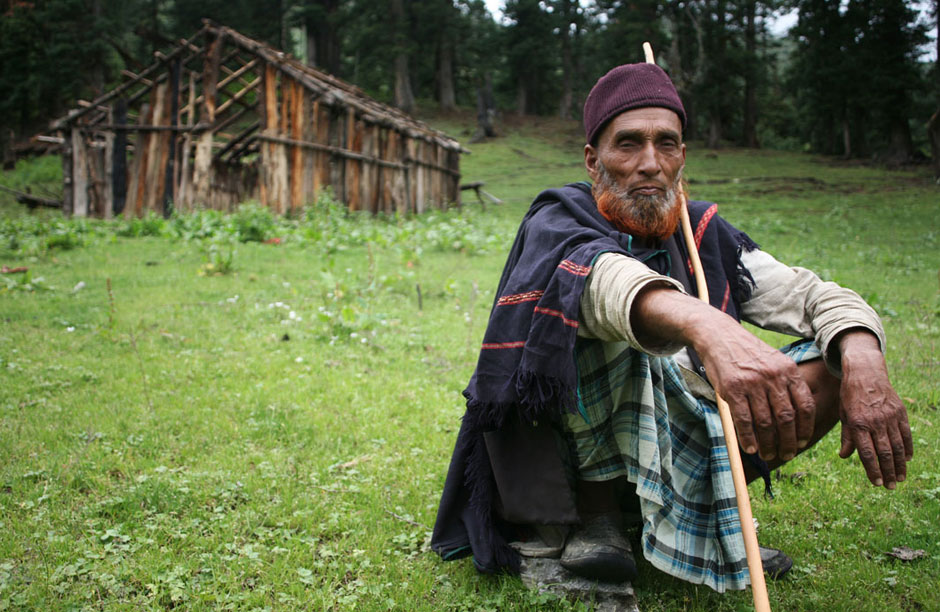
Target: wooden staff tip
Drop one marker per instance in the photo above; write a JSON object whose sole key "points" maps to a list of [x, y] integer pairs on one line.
{"points": [[648, 53]]}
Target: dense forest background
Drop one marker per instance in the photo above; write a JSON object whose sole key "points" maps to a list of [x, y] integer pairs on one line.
{"points": [[857, 78]]}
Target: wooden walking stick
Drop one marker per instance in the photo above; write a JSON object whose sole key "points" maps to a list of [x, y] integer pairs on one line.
{"points": [[749, 533]]}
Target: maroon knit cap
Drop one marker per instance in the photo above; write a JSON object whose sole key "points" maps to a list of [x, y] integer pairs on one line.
{"points": [[627, 87]]}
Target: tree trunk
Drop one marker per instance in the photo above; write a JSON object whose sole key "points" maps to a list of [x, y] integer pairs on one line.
{"points": [[485, 110], [933, 127], [846, 138], [445, 74], [718, 61], [521, 98], [900, 146], [154, 22], [687, 78], [578, 64], [714, 133], [564, 103], [933, 130], [404, 97], [323, 45], [750, 77], [97, 69]]}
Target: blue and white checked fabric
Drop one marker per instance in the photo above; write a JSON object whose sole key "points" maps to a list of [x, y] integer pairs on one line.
{"points": [[638, 419]]}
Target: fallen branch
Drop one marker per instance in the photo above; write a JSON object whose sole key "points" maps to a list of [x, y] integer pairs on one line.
{"points": [[30, 200]]}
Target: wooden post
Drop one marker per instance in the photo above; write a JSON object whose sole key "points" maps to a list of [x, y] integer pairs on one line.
{"points": [[202, 164], [68, 172], [353, 166], [296, 175], [401, 185], [369, 192], [309, 155], [440, 177], [321, 175], [107, 187], [135, 182], [153, 174], [169, 181], [79, 175], [411, 175], [337, 165], [420, 191], [264, 170], [119, 159], [382, 184], [283, 130], [184, 192], [94, 164], [453, 180]]}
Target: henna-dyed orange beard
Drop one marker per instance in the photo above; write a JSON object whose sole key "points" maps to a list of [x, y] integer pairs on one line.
{"points": [[641, 216]]}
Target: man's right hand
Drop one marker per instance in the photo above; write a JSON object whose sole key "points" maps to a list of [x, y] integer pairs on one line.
{"points": [[772, 407]]}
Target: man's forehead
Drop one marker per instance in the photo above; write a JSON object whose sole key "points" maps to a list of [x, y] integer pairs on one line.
{"points": [[652, 118]]}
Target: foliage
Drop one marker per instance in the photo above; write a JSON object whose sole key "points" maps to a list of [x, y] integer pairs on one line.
{"points": [[855, 70], [22, 282], [48, 51], [325, 223], [39, 234], [151, 224], [220, 258], [277, 437], [852, 67], [253, 223]]}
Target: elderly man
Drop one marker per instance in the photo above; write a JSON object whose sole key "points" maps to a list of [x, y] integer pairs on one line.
{"points": [[594, 391]]}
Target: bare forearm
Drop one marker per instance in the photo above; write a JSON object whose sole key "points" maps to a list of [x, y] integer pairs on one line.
{"points": [[662, 315], [772, 407]]}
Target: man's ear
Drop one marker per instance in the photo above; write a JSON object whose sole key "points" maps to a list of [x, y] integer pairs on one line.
{"points": [[590, 162]]}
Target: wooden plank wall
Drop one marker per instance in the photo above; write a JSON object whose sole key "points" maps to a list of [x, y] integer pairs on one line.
{"points": [[306, 144]]}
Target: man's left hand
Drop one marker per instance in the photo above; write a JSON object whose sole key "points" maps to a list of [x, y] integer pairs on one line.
{"points": [[874, 420]]}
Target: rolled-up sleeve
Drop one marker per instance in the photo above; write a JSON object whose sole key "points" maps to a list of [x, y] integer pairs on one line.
{"points": [[612, 286], [794, 301]]}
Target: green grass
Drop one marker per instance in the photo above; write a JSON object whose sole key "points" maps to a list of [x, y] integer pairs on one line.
{"points": [[182, 440]]}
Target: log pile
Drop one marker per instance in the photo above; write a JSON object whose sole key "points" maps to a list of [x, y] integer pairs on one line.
{"points": [[223, 118]]}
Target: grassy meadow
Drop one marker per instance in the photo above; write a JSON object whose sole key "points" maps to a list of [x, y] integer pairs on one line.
{"points": [[194, 418]]}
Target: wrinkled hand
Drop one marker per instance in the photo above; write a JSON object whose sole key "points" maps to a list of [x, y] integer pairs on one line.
{"points": [[874, 421], [773, 409]]}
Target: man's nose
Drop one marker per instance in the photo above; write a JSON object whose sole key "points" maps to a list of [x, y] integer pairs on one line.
{"points": [[648, 164]]}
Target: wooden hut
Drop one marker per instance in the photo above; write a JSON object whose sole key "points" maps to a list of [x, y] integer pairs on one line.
{"points": [[222, 119]]}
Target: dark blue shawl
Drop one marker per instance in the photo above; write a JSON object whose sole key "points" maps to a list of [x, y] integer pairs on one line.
{"points": [[526, 365]]}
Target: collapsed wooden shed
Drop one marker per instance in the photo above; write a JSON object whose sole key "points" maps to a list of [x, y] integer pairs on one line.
{"points": [[223, 118]]}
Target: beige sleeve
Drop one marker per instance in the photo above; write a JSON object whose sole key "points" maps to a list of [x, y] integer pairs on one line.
{"points": [[795, 301], [614, 282]]}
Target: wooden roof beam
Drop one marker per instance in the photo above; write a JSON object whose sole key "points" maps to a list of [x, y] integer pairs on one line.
{"points": [[232, 76], [333, 90], [132, 75], [237, 140], [221, 125], [62, 122], [238, 96]]}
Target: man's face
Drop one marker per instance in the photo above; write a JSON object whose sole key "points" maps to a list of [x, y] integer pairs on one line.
{"points": [[636, 167]]}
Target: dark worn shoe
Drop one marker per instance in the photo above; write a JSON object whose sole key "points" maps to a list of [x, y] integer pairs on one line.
{"points": [[598, 550], [776, 563]]}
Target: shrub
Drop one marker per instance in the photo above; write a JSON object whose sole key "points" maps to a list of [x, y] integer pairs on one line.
{"points": [[253, 223]]}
